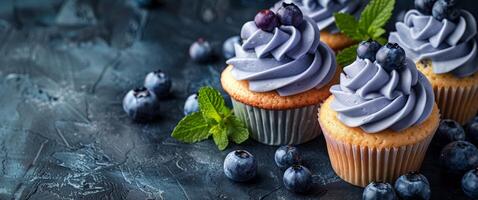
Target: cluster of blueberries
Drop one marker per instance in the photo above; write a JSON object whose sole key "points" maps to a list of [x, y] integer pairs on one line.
{"points": [[142, 104], [439, 9], [457, 157], [288, 15], [241, 166], [390, 56]]}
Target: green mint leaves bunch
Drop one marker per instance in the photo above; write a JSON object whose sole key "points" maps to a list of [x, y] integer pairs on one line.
{"points": [[370, 26], [214, 118]]}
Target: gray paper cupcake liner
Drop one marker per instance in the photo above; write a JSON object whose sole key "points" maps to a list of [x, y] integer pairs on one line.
{"points": [[279, 127]]}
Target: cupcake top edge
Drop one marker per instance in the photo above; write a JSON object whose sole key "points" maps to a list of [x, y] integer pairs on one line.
{"points": [[442, 33], [322, 11], [382, 92], [281, 51]]}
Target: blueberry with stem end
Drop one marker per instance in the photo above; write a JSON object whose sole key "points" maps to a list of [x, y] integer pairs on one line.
{"points": [[141, 104], [368, 49], [158, 83], [449, 131], [443, 9], [391, 57], [459, 156], [200, 51], [287, 156], [240, 166], [297, 179], [379, 191], [266, 20], [290, 15], [413, 186]]}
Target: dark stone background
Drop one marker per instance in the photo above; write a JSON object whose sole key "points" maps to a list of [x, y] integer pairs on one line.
{"points": [[64, 68]]}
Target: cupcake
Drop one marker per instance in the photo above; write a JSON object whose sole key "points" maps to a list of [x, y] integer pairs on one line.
{"points": [[380, 119], [322, 12], [444, 48], [279, 76]]}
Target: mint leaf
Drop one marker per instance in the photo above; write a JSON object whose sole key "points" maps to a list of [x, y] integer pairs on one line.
{"points": [[219, 134], [347, 25], [236, 130], [214, 118], [347, 56], [375, 15], [192, 128], [212, 104]]}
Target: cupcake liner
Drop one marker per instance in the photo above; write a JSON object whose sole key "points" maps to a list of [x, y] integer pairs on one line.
{"points": [[360, 165], [279, 127], [458, 103]]}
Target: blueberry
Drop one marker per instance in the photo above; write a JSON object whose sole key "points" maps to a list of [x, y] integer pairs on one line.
{"points": [[287, 156], [228, 46], [290, 15], [472, 131], [449, 131], [444, 9], [425, 6], [459, 156], [379, 191], [266, 20], [391, 57], [297, 179], [469, 183], [413, 186], [158, 82], [240, 166], [191, 105], [368, 49], [141, 105], [200, 51]]}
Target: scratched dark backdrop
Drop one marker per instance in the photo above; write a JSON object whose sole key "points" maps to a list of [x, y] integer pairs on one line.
{"points": [[64, 68]]}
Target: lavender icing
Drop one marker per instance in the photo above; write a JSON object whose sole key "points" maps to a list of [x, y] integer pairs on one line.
{"points": [[322, 11], [289, 60], [373, 99], [451, 46]]}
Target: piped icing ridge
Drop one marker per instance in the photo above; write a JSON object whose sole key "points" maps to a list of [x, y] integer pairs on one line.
{"points": [[322, 11], [451, 46], [289, 60], [373, 99]]}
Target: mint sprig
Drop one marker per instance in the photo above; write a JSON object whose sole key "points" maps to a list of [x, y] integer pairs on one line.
{"points": [[370, 26], [213, 119]]}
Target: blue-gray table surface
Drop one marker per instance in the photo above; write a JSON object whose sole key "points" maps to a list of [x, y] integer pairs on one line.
{"points": [[64, 69]]}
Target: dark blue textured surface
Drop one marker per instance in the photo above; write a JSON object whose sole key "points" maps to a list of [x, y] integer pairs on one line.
{"points": [[64, 69]]}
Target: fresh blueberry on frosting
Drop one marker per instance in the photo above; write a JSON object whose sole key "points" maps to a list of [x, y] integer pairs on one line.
{"points": [[289, 60], [266, 20], [322, 11], [368, 49], [445, 9], [391, 56], [449, 44], [290, 15], [374, 98]]}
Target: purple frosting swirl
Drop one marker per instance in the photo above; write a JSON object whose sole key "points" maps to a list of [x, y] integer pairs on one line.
{"points": [[373, 99], [322, 11], [450, 46], [289, 60]]}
